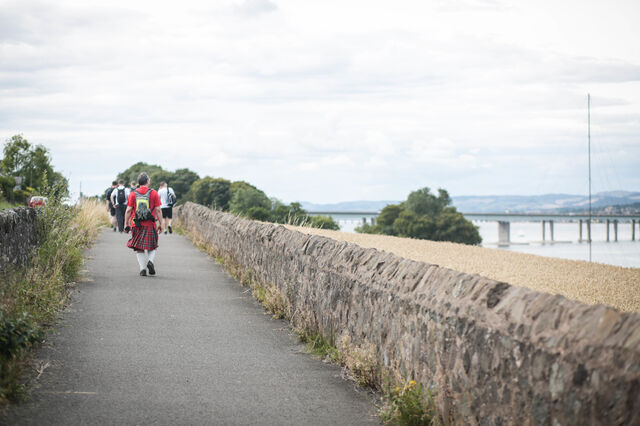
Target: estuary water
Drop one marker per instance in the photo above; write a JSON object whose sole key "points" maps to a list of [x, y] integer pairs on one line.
{"points": [[527, 238]]}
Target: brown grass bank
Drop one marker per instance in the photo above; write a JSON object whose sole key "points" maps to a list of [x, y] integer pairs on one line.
{"points": [[586, 282]]}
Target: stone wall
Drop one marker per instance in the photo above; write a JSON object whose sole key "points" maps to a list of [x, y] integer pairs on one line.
{"points": [[496, 354], [18, 236]]}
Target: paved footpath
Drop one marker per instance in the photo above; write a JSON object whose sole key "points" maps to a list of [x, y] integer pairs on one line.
{"points": [[187, 347]]}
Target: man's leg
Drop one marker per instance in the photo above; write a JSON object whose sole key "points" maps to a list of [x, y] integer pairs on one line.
{"points": [[169, 218], [120, 210], [150, 264], [141, 263]]}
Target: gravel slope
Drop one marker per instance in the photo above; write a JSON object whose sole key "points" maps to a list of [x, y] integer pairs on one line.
{"points": [[578, 280]]}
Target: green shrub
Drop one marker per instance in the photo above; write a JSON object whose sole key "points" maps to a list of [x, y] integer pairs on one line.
{"points": [[407, 407], [33, 295], [324, 222]]}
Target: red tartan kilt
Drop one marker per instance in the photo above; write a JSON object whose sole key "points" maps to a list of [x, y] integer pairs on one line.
{"points": [[143, 238]]}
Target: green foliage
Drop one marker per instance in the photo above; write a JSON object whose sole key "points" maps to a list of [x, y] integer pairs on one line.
{"points": [[365, 228], [452, 226], [259, 213], [33, 163], [31, 296], [7, 183], [238, 185], [291, 213], [212, 192], [406, 407], [131, 174], [422, 202], [317, 345], [245, 198], [389, 214], [409, 224], [424, 216], [182, 180], [17, 333], [324, 222]]}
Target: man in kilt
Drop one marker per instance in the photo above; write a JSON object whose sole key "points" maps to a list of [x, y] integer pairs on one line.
{"points": [[144, 234]]}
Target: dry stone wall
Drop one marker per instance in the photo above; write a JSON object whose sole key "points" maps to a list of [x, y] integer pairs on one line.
{"points": [[494, 353], [18, 236]]}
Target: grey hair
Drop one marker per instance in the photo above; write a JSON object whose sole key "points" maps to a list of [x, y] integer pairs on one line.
{"points": [[143, 178]]}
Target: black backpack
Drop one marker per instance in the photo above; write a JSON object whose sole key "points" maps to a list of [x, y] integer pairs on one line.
{"points": [[171, 198], [109, 191], [120, 198]]}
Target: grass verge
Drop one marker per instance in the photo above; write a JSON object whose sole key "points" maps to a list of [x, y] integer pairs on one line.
{"points": [[31, 297]]}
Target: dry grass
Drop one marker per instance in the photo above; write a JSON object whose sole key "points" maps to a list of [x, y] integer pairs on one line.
{"points": [[578, 280], [91, 215]]}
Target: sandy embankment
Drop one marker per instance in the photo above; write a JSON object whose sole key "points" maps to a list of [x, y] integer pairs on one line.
{"points": [[578, 280]]}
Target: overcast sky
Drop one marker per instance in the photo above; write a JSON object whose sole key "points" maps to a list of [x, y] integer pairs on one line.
{"points": [[327, 101]]}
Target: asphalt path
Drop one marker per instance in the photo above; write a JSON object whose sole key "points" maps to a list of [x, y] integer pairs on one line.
{"points": [[189, 346]]}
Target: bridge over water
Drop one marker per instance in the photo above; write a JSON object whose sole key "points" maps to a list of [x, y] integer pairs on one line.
{"points": [[504, 221]]}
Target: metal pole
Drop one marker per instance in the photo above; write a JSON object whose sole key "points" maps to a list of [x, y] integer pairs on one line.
{"points": [[580, 231], [589, 135]]}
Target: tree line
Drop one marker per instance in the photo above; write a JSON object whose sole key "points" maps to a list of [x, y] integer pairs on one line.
{"points": [[31, 166], [237, 197], [422, 215]]}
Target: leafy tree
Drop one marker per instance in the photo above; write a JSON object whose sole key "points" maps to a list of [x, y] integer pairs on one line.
{"points": [[324, 222], [160, 176], [182, 180], [452, 226], [33, 163], [7, 183], [259, 213], [17, 152], [212, 192], [291, 213], [409, 224], [131, 174], [245, 198], [425, 216], [422, 202]]}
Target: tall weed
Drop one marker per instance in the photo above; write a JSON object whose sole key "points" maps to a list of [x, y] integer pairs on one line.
{"points": [[31, 297]]}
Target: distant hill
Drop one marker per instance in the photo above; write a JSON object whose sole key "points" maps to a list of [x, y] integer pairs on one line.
{"points": [[503, 203], [348, 206]]}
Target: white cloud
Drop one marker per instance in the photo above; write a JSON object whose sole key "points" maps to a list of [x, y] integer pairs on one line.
{"points": [[324, 100]]}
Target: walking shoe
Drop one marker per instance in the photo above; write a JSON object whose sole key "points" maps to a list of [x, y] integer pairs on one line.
{"points": [[143, 273], [165, 232], [170, 230], [152, 269], [114, 229]]}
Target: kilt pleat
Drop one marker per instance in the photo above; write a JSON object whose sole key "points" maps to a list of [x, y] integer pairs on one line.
{"points": [[143, 238]]}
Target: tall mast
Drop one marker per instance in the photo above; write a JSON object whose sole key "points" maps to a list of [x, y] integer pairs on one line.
{"points": [[589, 136]]}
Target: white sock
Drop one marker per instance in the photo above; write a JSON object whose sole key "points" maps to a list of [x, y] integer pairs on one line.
{"points": [[152, 255], [146, 256], [141, 262]]}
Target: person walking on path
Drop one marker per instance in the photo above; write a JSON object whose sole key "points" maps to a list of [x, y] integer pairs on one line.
{"points": [[168, 199], [144, 207], [110, 207], [119, 197]]}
